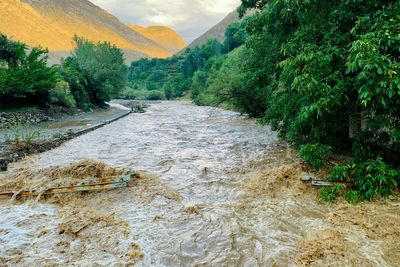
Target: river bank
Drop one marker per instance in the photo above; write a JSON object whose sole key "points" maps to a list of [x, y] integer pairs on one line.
{"points": [[39, 136], [213, 189]]}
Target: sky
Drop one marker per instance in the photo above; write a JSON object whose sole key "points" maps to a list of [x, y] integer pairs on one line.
{"points": [[190, 18]]}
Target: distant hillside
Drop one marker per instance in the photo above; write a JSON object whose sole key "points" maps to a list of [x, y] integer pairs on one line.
{"points": [[164, 36], [218, 31], [52, 24]]}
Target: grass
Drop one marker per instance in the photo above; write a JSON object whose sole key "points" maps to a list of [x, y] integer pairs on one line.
{"points": [[22, 134]]}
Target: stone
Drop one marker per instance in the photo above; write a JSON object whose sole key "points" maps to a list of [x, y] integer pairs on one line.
{"points": [[3, 164]]}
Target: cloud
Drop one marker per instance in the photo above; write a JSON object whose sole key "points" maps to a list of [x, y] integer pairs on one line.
{"points": [[190, 18]]}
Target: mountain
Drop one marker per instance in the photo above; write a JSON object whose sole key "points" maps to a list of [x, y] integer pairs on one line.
{"points": [[53, 23], [164, 36], [218, 31]]}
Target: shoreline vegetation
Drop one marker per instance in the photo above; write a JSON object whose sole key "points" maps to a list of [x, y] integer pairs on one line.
{"points": [[325, 76]]}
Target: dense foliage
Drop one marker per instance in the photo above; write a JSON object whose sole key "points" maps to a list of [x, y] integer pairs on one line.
{"points": [[95, 72], [25, 77], [184, 73], [90, 76], [329, 68], [325, 75]]}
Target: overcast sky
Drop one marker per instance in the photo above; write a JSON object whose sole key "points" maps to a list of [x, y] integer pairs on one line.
{"points": [[190, 18]]}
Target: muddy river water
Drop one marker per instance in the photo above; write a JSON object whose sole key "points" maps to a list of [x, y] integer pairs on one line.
{"points": [[203, 206]]}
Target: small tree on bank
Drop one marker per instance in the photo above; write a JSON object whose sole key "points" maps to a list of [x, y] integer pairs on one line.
{"points": [[96, 72], [25, 77]]}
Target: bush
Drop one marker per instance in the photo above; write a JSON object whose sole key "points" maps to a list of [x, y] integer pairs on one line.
{"points": [[61, 94], [96, 72], [330, 194], [133, 94], [315, 155], [129, 94], [25, 77], [22, 135], [371, 178], [155, 95]]}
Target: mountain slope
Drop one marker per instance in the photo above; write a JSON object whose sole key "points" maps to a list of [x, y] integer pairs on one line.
{"points": [[218, 31], [165, 36], [52, 24]]}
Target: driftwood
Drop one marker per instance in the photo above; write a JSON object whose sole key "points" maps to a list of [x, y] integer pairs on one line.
{"points": [[96, 184], [317, 182]]}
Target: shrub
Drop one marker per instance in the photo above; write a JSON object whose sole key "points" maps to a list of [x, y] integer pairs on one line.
{"points": [[315, 155], [61, 94], [24, 76], [330, 194], [155, 95], [129, 94], [371, 178], [22, 134]]}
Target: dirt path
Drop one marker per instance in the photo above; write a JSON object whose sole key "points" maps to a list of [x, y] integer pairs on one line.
{"points": [[214, 189]]}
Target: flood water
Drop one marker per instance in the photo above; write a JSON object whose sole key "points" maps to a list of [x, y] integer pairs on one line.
{"points": [[202, 154]]}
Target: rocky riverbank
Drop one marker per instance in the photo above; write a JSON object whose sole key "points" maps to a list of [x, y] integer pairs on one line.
{"points": [[42, 134], [29, 116]]}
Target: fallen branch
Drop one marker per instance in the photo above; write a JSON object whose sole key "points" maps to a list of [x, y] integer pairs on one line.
{"points": [[316, 182], [94, 185]]}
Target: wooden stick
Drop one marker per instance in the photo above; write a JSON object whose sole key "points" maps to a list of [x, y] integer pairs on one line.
{"points": [[67, 189], [102, 183]]}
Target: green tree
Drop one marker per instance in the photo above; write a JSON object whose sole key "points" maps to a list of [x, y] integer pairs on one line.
{"points": [[25, 77], [329, 67], [198, 86], [71, 73], [102, 68], [229, 85], [235, 36], [192, 62]]}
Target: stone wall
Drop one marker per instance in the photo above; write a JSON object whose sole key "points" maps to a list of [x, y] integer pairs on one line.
{"points": [[31, 116]]}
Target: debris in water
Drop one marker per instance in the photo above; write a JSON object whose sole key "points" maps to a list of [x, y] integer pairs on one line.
{"points": [[73, 221], [347, 235], [316, 182], [85, 175], [82, 231], [193, 208], [366, 234], [148, 185], [158, 218], [97, 184], [135, 253]]}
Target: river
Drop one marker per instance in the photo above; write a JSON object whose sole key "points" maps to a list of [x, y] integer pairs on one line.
{"points": [[203, 205]]}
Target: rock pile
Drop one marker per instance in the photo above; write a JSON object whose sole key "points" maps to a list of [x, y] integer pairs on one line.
{"points": [[32, 116]]}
